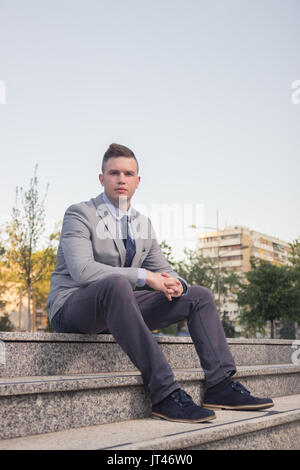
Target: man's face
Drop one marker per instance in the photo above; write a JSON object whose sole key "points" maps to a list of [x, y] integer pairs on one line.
{"points": [[120, 180]]}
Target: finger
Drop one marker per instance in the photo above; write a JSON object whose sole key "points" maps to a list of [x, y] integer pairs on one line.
{"points": [[168, 295], [177, 294], [171, 277], [165, 274], [177, 291], [171, 288], [169, 291], [174, 292], [170, 282]]}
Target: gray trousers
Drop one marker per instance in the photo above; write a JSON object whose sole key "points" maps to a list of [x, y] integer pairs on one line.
{"points": [[130, 316]]}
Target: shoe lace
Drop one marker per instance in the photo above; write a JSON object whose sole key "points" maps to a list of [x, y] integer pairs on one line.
{"points": [[182, 398], [239, 388]]}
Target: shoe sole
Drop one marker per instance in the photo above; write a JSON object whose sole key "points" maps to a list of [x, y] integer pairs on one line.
{"points": [[201, 420], [241, 407]]}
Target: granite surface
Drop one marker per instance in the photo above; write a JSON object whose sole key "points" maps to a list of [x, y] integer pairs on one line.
{"points": [[54, 353], [42, 384], [53, 337], [53, 382], [252, 433], [33, 414], [32, 405], [277, 428], [282, 437]]}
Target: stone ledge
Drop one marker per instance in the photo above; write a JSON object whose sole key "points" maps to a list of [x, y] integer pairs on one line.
{"points": [[10, 386], [248, 430], [44, 354], [34, 405], [70, 337], [147, 433]]}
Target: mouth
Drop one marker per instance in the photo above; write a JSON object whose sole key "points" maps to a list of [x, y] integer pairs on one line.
{"points": [[121, 190]]}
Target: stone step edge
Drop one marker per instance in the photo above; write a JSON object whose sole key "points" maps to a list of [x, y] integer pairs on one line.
{"points": [[105, 338], [122, 435], [45, 384], [224, 432]]}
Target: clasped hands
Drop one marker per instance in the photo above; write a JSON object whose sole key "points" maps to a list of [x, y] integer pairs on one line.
{"points": [[164, 282]]}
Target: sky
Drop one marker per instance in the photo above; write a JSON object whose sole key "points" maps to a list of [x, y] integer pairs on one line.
{"points": [[200, 90]]}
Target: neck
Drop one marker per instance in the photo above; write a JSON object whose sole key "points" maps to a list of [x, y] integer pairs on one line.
{"points": [[122, 202]]}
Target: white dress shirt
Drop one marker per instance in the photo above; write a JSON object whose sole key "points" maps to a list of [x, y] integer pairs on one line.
{"points": [[118, 214]]}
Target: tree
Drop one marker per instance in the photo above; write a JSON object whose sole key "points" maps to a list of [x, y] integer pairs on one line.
{"points": [[2, 276], [268, 295], [24, 234], [294, 257], [229, 329], [167, 251], [288, 330], [5, 323], [198, 270]]}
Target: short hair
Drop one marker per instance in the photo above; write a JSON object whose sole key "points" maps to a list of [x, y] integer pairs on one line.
{"points": [[115, 151]]}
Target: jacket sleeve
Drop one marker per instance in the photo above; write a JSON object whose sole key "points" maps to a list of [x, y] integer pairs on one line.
{"points": [[78, 251]]}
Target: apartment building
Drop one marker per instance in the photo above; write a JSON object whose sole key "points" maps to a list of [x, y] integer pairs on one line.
{"points": [[233, 247]]}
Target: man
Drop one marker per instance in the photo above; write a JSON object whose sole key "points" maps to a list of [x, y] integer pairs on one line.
{"points": [[106, 249]]}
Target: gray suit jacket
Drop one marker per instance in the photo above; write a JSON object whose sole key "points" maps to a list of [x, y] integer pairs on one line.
{"points": [[90, 249]]}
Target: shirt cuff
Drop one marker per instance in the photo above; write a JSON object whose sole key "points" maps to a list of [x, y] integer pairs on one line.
{"points": [[141, 277]]}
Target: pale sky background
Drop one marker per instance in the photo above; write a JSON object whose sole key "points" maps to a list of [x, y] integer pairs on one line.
{"points": [[201, 91]]}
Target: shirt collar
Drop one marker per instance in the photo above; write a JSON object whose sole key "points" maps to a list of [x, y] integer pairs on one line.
{"points": [[115, 211]]}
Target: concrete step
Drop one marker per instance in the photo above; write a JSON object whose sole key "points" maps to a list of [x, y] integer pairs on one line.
{"points": [[36, 354], [273, 429], [35, 405]]}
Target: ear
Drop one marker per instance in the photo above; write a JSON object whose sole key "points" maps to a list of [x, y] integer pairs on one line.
{"points": [[101, 178]]}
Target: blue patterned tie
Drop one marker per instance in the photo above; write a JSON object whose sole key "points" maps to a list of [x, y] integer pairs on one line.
{"points": [[128, 242]]}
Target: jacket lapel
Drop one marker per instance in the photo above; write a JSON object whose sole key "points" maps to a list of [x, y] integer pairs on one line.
{"points": [[104, 213], [140, 232]]}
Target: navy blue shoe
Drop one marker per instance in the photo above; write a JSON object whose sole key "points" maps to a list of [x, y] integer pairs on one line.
{"points": [[179, 406], [233, 396]]}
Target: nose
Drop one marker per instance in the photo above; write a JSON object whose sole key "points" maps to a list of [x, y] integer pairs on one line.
{"points": [[121, 178]]}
